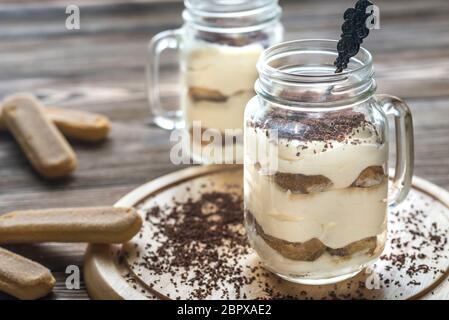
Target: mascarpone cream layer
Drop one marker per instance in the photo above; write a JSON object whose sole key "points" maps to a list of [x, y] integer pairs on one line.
{"points": [[217, 115], [342, 163], [219, 67], [336, 217], [217, 154]]}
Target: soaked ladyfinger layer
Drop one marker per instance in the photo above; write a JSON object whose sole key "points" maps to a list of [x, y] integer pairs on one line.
{"points": [[306, 251], [44, 146], [23, 278], [312, 249], [93, 225], [199, 94], [304, 184]]}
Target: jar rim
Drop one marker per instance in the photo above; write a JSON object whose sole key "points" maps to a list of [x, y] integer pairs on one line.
{"points": [[363, 59], [302, 72], [237, 14], [220, 7]]}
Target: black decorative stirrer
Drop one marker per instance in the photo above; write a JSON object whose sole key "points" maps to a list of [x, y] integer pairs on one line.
{"points": [[354, 31]]}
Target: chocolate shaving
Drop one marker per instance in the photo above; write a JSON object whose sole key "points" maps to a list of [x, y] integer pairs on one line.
{"points": [[327, 126], [191, 233]]}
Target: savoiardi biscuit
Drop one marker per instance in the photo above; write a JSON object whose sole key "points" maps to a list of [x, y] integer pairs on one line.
{"points": [[80, 125], [44, 146], [23, 278], [93, 225], [75, 124]]}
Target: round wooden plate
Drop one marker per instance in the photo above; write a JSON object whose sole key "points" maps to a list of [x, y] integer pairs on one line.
{"points": [[417, 267]]}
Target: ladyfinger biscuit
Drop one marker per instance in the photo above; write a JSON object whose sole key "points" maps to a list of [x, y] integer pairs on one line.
{"points": [[300, 251], [93, 225], [42, 143], [23, 278], [369, 177], [356, 246], [199, 94], [299, 183], [76, 124], [81, 125]]}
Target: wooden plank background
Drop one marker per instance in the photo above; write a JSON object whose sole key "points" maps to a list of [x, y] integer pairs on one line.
{"points": [[101, 68]]}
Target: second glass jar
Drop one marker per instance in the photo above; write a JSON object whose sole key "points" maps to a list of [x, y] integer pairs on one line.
{"points": [[220, 43]]}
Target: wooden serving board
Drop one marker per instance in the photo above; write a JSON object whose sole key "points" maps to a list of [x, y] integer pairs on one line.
{"points": [[414, 264]]}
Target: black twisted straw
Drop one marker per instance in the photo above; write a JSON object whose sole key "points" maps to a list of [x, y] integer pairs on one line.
{"points": [[354, 31]]}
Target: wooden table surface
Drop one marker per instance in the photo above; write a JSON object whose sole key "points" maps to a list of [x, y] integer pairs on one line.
{"points": [[101, 68]]}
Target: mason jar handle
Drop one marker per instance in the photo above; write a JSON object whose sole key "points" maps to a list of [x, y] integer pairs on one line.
{"points": [[403, 174], [165, 118]]}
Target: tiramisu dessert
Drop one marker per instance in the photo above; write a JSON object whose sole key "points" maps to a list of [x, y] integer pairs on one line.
{"points": [[321, 211], [219, 43], [218, 74]]}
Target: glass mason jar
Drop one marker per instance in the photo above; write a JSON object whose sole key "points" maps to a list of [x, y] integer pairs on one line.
{"points": [[219, 43], [316, 163]]}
